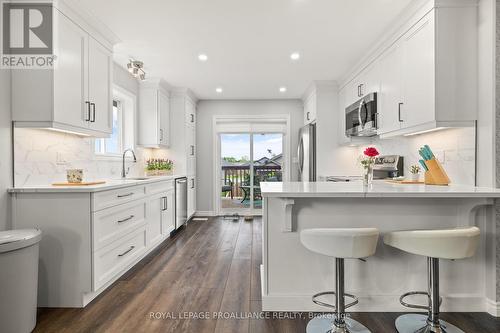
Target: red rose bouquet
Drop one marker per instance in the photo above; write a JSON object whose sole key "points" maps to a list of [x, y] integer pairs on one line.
{"points": [[367, 161]]}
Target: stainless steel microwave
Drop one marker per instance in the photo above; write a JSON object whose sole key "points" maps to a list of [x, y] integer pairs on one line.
{"points": [[361, 117]]}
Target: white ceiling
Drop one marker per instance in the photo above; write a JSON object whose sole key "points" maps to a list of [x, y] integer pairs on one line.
{"points": [[248, 42]]}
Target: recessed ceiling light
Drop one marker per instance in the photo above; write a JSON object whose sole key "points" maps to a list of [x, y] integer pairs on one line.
{"points": [[218, 90], [203, 57], [282, 89], [295, 56]]}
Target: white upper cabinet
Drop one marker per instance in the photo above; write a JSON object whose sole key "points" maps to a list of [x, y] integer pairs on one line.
{"points": [[76, 94], [154, 114], [425, 75], [390, 97], [310, 105], [100, 62], [418, 74]]}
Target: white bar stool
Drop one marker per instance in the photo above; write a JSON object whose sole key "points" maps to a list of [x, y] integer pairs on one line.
{"points": [[453, 244], [352, 243]]}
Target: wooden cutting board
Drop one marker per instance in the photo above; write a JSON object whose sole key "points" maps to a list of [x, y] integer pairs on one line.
{"points": [[406, 182], [79, 184]]}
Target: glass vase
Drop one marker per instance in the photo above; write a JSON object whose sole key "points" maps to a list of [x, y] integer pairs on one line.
{"points": [[368, 175]]}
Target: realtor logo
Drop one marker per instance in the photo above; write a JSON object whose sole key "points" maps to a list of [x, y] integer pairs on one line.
{"points": [[27, 35]]}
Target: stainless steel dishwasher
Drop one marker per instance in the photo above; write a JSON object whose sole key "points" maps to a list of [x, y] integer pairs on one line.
{"points": [[180, 202]]}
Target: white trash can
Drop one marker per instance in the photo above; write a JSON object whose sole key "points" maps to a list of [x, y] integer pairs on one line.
{"points": [[18, 279]]}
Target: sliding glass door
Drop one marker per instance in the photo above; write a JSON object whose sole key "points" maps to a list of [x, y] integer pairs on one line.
{"points": [[246, 159]]}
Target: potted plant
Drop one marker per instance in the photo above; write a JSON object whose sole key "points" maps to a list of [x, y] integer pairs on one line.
{"points": [[367, 161], [159, 167], [415, 172]]}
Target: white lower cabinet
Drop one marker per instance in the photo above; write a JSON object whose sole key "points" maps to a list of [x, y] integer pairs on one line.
{"points": [[160, 217], [111, 260], [91, 239], [191, 203]]}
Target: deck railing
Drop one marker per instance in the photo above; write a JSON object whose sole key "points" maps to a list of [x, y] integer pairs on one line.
{"points": [[239, 175]]}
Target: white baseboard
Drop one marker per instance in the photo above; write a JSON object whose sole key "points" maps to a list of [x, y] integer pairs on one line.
{"points": [[378, 303], [204, 213], [492, 307]]}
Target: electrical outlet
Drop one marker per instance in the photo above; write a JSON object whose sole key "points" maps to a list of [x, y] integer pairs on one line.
{"points": [[60, 159]]}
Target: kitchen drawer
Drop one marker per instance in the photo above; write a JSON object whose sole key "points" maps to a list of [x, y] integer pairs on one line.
{"points": [[160, 187], [113, 259], [105, 199], [113, 223]]}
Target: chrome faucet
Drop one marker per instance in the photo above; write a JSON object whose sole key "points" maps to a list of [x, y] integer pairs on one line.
{"points": [[124, 172]]}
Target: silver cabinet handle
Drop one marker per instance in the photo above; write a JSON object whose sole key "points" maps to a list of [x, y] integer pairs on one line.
{"points": [[88, 110], [399, 112], [161, 134], [308, 114], [125, 195], [192, 150], [192, 118], [361, 90], [124, 253], [93, 112], [127, 219], [192, 183], [165, 203], [359, 114]]}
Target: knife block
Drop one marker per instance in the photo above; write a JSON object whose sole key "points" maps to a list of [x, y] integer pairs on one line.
{"points": [[436, 174]]}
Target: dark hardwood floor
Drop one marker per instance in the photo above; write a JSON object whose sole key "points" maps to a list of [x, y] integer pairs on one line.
{"points": [[211, 266]]}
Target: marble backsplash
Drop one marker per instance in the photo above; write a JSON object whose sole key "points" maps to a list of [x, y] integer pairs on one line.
{"points": [[455, 148], [42, 157]]}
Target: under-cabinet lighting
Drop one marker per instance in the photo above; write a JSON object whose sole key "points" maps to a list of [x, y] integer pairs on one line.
{"points": [[426, 131], [65, 131]]}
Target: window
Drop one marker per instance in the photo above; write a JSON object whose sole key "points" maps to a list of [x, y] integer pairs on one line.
{"points": [[122, 136], [113, 144]]}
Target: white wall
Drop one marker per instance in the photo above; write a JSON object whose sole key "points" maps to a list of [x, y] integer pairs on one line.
{"points": [[5, 149], [204, 136]]}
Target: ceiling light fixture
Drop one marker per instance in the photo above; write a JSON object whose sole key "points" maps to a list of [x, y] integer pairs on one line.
{"points": [[295, 56], [202, 57], [136, 68], [218, 90], [282, 89]]}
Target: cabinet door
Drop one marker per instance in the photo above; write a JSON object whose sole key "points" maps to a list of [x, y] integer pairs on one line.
{"points": [[70, 75], [390, 97], [419, 73], [191, 196], [190, 113], [154, 219], [164, 116], [167, 214], [310, 109], [370, 80], [100, 95]]}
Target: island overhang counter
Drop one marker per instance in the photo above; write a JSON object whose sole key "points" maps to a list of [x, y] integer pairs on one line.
{"points": [[290, 274]]}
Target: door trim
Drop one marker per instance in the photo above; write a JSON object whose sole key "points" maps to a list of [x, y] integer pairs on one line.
{"points": [[248, 119]]}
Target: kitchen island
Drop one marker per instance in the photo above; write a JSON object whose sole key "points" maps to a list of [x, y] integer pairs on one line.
{"points": [[291, 274]]}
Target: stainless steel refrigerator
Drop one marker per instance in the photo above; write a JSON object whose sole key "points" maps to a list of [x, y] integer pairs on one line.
{"points": [[307, 153]]}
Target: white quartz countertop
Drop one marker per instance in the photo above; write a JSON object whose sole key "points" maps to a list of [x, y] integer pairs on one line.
{"points": [[379, 189], [109, 185]]}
